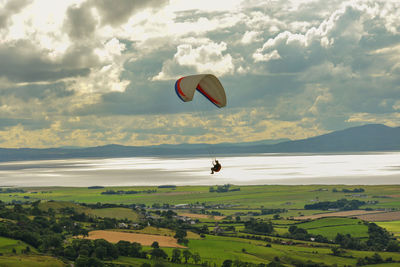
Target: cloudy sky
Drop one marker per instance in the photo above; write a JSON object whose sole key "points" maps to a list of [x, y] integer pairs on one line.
{"points": [[96, 72]]}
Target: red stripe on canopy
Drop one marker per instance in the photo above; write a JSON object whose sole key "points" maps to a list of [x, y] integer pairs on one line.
{"points": [[207, 95], [179, 87]]}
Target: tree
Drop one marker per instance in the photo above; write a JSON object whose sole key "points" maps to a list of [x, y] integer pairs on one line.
{"points": [[187, 254], [376, 258], [336, 251], [278, 264], [196, 257], [52, 241], [180, 234], [155, 245], [183, 241], [158, 253], [276, 216], [81, 261], [256, 226], [100, 252], [94, 262], [393, 246], [176, 255], [227, 263], [204, 229], [70, 253], [292, 229]]}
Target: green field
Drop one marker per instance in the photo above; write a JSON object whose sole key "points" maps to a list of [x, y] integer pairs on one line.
{"points": [[219, 248], [30, 261], [58, 205], [9, 258], [128, 261], [393, 227], [330, 227], [249, 197], [7, 244], [118, 213]]}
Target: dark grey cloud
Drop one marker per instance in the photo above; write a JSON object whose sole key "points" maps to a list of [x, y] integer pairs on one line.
{"points": [[116, 12], [139, 98], [24, 62], [80, 23], [38, 91], [80, 57], [28, 124], [11, 7]]}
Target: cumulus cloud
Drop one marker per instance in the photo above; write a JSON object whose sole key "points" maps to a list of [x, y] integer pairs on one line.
{"points": [[251, 37], [206, 58], [10, 8], [80, 22], [23, 62], [116, 12]]}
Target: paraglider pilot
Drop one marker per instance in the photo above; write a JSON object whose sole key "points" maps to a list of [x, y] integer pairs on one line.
{"points": [[216, 168]]}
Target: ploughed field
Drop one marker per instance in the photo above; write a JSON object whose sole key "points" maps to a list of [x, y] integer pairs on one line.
{"points": [[143, 239]]}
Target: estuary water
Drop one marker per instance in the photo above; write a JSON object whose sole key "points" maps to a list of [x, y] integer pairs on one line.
{"points": [[288, 169]]}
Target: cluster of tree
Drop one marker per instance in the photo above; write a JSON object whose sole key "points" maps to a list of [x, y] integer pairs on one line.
{"points": [[258, 226], [167, 186], [127, 192], [11, 190], [91, 253], [100, 205], [379, 240], [223, 189], [43, 231], [308, 263], [375, 259], [237, 262], [47, 232], [345, 190], [96, 187], [302, 234], [161, 206], [272, 211], [214, 213], [180, 236], [341, 204], [99, 249], [178, 256]]}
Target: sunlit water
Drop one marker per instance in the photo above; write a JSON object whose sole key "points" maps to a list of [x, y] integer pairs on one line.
{"points": [[361, 168]]}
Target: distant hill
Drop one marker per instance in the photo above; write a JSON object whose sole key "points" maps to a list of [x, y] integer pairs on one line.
{"points": [[371, 137]]}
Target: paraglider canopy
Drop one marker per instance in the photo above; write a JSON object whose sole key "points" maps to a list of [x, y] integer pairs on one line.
{"points": [[207, 84]]}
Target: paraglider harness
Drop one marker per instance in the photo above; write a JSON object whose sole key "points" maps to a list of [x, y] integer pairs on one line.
{"points": [[217, 167]]}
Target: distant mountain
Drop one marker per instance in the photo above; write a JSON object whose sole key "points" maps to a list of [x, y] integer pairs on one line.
{"points": [[372, 137]]}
